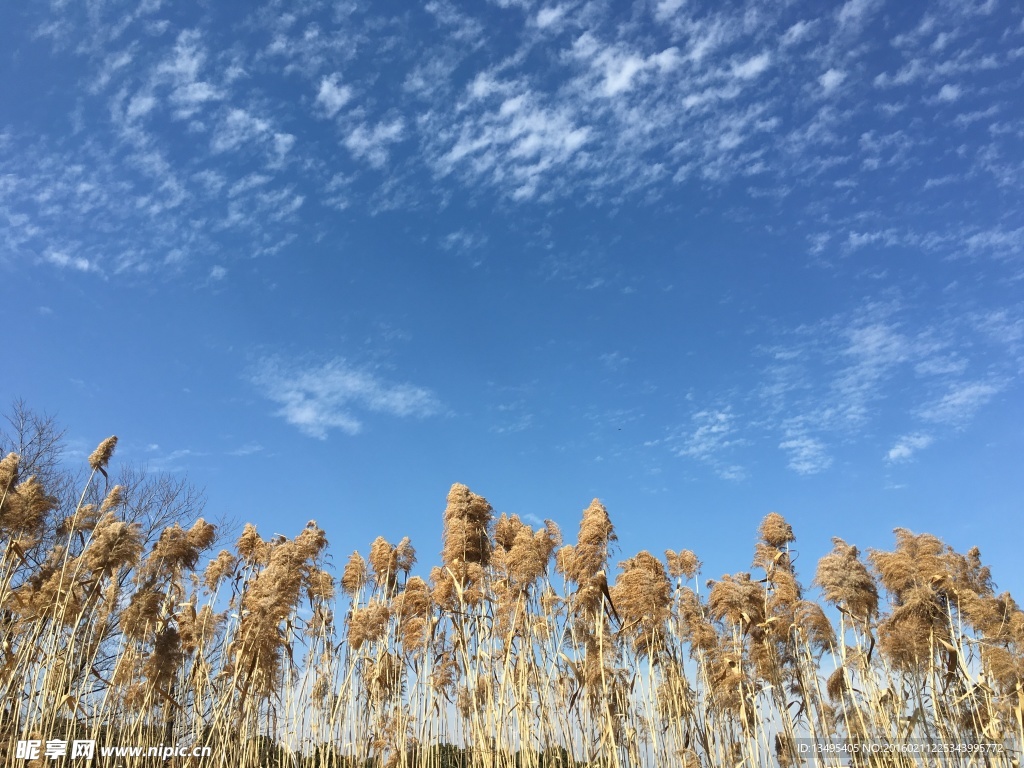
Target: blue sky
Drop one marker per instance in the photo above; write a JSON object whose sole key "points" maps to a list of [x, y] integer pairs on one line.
{"points": [[700, 260]]}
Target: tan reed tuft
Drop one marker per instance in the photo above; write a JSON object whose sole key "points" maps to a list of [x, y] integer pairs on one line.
{"points": [[846, 582], [466, 536], [115, 632], [99, 458]]}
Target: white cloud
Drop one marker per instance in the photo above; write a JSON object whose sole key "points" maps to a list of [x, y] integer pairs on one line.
{"points": [[237, 128], [372, 143], [195, 93], [218, 272], [712, 434], [616, 67], [62, 260], [835, 382], [181, 71], [873, 350], [283, 143], [619, 74], [463, 241], [613, 361], [188, 58], [514, 143], [248, 449], [140, 106], [617, 116], [752, 67], [999, 242], [831, 80], [461, 26], [807, 455], [175, 461], [112, 65], [961, 402], [909, 73], [907, 446], [319, 398], [716, 433], [855, 13], [549, 17], [949, 93], [796, 33], [666, 9], [1001, 327], [332, 95]]}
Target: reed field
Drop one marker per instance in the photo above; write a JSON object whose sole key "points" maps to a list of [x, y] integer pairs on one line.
{"points": [[521, 647]]}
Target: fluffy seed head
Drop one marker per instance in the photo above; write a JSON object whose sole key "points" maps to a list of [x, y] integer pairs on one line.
{"points": [[642, 597], [384, 564], [99, 458], [178, 549], [813, 622], [115, 544], [579, 563], [368, 625], [353, 578], [736, 599], [223, 565], [9, 472], [775, 531], [467, 520], [320, 587], [113, 500], [251, 547], [683, 563], [846, 582], [917, 560], [25, 509], [405, 555]]}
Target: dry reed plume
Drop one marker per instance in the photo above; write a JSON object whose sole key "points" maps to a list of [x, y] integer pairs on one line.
{"points": [[516, 651]]}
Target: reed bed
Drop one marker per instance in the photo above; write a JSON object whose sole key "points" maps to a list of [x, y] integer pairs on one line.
{"points": [[516, 649]]}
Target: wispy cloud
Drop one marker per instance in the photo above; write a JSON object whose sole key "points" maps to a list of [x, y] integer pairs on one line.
{"points": [[64, 261], [512, 417], [567, 103], [709, 439], [181, 70], [332, 95], [840, 381], [248, 449], [613, 361], [855, 13], [171, 461], [961, 402], [907, 446], [373, 143], [508, 135], [807, 455], [464, 240], [334, 395], [238, 127], [831, 80]]}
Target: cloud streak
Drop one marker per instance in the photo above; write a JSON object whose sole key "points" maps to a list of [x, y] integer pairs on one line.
{"points": [[336, 395], [562, 105]]}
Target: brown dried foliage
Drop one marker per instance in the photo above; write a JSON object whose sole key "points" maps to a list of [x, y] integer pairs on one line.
{"points": [[99, 458], [642, 597], [682, 564], [846, 582], [467, 520]]}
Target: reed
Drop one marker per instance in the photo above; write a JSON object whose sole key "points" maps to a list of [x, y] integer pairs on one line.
{"points": [[516, 649]]}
